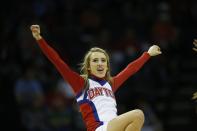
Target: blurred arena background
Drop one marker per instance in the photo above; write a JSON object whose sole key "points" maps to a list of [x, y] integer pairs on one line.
{"points": [[35, 98]]}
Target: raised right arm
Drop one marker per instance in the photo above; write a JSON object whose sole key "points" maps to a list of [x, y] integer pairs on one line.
{"points": [[73, 78]]}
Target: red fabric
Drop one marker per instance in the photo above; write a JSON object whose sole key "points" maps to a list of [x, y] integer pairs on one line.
{"points": [[130, 70], [77, 82], [88, 117], [73, 78]]}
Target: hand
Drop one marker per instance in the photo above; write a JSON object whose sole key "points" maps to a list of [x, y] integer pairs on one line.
{"points": [[194, 96], [195, 45], [154, 50], [36, 31]]}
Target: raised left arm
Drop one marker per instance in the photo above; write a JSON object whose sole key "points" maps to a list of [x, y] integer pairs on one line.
{"points": [[134, 66]]}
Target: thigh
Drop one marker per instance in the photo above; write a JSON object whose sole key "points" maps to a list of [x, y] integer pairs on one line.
{"points": [[122, 121]]}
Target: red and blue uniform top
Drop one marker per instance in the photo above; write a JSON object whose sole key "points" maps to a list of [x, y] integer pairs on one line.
{"points": [[97, 102]]}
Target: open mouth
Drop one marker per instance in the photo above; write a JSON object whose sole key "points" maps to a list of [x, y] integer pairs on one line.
{"points": [[100, 69]]}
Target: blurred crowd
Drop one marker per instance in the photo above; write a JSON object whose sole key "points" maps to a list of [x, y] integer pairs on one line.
{"points": [[36, 98]]}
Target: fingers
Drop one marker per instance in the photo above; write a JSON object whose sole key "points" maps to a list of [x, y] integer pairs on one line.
{"points": [[159, 52], [35, 31], [195, 44], [34, 27], [154, 50], [194, 96], [157, 48], [195, 49]]}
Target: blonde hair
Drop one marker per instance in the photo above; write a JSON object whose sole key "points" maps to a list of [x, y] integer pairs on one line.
{"points": [[86, 64]]}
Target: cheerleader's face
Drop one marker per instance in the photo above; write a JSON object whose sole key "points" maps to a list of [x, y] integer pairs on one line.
{"points": [[98, 64]]}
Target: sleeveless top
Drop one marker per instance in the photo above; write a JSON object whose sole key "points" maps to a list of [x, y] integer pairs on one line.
{"points": [[97, 103]]}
